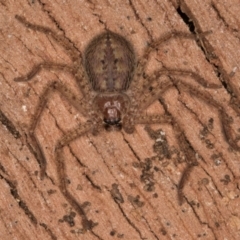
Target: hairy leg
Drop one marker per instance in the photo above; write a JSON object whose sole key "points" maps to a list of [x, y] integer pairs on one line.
{"points": [[138, 82], [153, 119], [225, 120], [223, 116], [46, 65], [169, 36], [151, 94], [190, 157], [153, 88], [178, 72], [59, 38], [77, 66], [61, 170], [65, 93], [182, 143], [161, 87]]}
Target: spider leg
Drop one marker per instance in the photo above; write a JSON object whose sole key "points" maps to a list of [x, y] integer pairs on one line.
{"points": [[61, 167], [65, 93], [226, 129], [182, 142], [153, 119], [139, 84], [60, 39], [150, 95], [41, 66], [76, 69], [223, 116], [179, 72], [169, 36], [190, 156], [171, 72]]}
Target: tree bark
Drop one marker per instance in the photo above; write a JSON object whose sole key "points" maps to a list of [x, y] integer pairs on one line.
{"points": [[125, 185]]}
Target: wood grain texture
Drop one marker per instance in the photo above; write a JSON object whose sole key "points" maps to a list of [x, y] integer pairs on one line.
{"points": [[105, 171]]}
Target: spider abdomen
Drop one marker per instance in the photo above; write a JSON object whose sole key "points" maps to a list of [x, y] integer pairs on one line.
{"points": [[109, 63]]}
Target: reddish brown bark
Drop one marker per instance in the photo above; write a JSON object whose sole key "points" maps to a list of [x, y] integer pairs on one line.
{"points": [[31, 208]]}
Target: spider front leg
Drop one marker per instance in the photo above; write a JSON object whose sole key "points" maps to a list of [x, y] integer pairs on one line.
{"points": [[65, 93], [61, 170]]}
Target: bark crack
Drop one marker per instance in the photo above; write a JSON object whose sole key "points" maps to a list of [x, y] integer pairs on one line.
{"points": [[138, 18], [199, 219], [9, 125], [48, 230], [22, 204]]}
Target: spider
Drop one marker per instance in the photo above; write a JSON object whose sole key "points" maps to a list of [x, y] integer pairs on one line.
{"points": [[112, 84]]}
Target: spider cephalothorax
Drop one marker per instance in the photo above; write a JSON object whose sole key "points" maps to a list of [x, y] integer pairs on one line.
{"points": [[112, 107]]}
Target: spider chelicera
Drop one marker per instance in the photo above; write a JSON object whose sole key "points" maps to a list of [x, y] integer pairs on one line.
{"points": [[115, 95]]}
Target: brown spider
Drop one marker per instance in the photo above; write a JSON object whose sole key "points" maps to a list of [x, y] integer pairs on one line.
{"points": [[111, 81]]}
